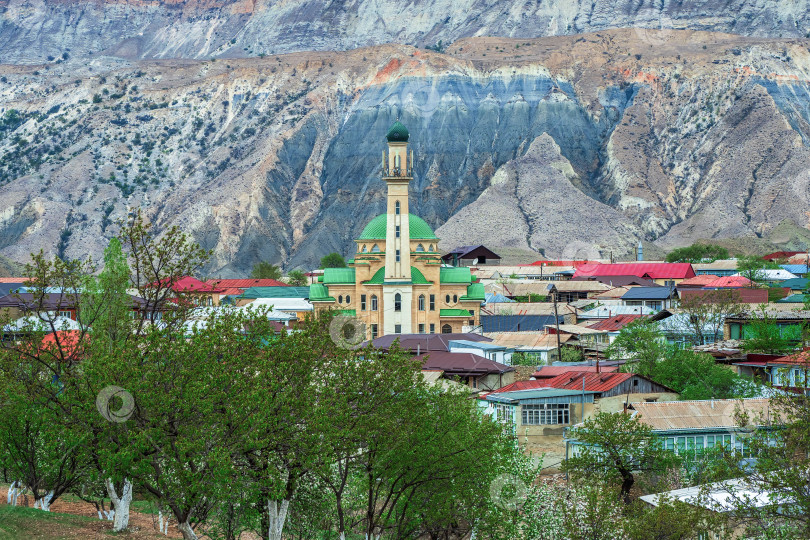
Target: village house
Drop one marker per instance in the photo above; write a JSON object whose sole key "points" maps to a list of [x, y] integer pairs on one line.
{"points": [[790, 322], [790, 372], [655, 298], [542, 409], [396, 284], [722, 267], [665, 274], [471, 256]]}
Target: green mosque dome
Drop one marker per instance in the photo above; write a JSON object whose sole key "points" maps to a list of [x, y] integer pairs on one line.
{"points": [[417, 229], [397, 133]]}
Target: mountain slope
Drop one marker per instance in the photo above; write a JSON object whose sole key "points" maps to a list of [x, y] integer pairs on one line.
{"points": [[33, 30], [685, 135]]}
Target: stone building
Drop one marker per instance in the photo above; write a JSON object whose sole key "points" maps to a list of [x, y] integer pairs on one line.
{"points": [[396, 283]]}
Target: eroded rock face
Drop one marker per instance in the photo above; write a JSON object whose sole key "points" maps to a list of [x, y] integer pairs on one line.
{"points": [[32, 30], [602, 139]]}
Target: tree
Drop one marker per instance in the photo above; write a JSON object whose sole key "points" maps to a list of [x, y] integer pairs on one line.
{"points": [[333, 260], [703, 315], [640, 342], [265, 270], [297, 278], [751, 267], [697, 376], [612, 447], [105, 303], [697, 253], [763, 335]]}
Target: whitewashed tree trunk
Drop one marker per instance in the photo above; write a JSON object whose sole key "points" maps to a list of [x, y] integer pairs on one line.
{"points": [[10, 492], [110, 515], [45, 502], [18, 490], [120, 504], [188, 532], [100, 517], [278, 515], [163, 526]]}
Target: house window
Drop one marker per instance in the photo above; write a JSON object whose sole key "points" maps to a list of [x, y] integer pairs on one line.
{"points": [[375, 248], [340, 299], [362, 302], [447, 329], [430, 248], [396, 208], [373, 302], [397, 328], [397, 255], [455, 298], [421, 302], [432, 328], [65, 314], [373, 331], [397, 303], [503, 413], [635, 382], [422, 328], [396, 231], [447, 299], [432, 302], [546, 413], [348, 299], [420, 248], [365, 248]]}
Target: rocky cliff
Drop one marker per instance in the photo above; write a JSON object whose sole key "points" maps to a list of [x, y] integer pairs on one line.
{"points": [[592, 141], [32, 31]]}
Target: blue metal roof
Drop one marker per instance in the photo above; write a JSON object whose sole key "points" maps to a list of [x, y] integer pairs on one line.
{"points": [[517, 323], [795, 268], [647, 293]]}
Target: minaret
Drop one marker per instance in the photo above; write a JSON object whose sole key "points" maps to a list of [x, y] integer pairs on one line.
{"points": [[397, 287], [397, 171]]}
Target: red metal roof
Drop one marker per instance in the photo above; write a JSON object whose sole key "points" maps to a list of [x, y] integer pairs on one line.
{"points": [[594, 382], [520, 385], [615, 323], [189, 284], [549, 372], [13, 279], [780, 255], [245, 283], [575, 264], [698, 281], [729, 281], [647, 270]]}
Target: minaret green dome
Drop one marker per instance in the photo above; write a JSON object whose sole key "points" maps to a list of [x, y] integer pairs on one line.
{"points": [[397, 133]]}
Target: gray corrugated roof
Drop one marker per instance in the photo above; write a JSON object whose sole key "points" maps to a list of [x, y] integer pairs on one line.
{"points": [[647, 293]]}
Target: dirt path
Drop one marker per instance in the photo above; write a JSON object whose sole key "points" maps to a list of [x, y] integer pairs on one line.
{"points": [[142, 526]]}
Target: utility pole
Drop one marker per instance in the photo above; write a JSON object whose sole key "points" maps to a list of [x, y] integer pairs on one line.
{"points": [[557, 323]]}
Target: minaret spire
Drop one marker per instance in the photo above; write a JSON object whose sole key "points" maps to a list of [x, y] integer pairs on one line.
{"points": [[397, 172]]}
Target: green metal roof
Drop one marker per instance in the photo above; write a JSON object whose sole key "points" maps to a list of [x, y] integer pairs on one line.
{"points": [[793, 299], [475, 291], [338, 275], [794, 283], [417, 277], [397, 133], [319, 293], [455, 275], [417, 229], [276, 292], [454, 313]]}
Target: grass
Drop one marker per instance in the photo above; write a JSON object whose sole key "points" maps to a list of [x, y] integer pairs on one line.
{"points": [[22, 522]]}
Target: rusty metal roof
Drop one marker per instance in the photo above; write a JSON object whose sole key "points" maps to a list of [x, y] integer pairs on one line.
{"points": [[709, 414]]}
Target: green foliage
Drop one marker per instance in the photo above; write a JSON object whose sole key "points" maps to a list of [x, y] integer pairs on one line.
{"points": [[265, 270], [525, 359], [751, 267], [333, 260], [697, 253], [642, 344], [612, 447], [571, 354], [531, 297], [297, 278], [697, 376], [105, 304]]}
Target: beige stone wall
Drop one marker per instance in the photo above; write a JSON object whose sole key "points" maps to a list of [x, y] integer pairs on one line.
{"points": [[616, 403]]}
